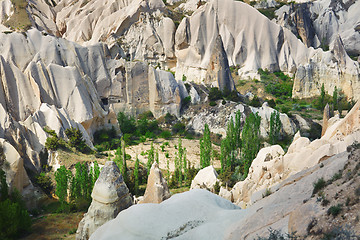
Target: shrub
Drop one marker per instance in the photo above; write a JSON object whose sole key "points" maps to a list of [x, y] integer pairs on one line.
{"points": [[52, 143], [267, 192], [75, 139], [340, 233], [127, 124], [44, 182], [212, 103], [255, 102], [14, 218], [318, 185], [215, 94], [186, 102], [334, 210], [178, 128], [165, 134]]}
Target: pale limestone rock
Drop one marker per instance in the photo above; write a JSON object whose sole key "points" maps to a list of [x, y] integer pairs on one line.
{"points": [[205, 179], [109, 197], [156, 189], [225, 193], [195, 98]]}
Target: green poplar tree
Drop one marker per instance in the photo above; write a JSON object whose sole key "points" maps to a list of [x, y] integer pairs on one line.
{"points": [[62, 178], [205, 148], [151, 158], [96, 171], [250, 140], [335, 98], [136, 175], [275, 127]]}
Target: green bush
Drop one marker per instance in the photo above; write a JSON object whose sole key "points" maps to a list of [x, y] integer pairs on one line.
{"points": [[186, 102], [14, 218], [318, 185], [44, 182], [178, 128], [215, 94], [127, 124], [334, 210], [255, 102], [52, 143], [212, 103], [165, 134], [75, 139]]}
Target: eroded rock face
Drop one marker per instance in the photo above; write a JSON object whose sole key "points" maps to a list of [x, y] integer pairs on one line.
{"points": [[323, 21], [218, 72], [110, 196], [156, 189]]}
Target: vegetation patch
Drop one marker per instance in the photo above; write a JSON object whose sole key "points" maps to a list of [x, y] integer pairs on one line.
{"points": [[20, 18], [318, 185]]}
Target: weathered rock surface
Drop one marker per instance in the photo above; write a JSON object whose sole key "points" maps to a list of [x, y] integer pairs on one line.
{"points": [[206, 178], [326, 117], [48, 81], [109, 197], [136, 30], [323, 21], [218, 73], [156, 189]]}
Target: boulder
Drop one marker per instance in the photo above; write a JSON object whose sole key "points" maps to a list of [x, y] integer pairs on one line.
{"points": [[156, 189], [206, 178], [109, 197]]}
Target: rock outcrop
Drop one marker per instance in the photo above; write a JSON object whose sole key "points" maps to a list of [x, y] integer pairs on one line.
{"points": [[218, 73], [323, 21], [156, 189], [109, 197], [206, 178], [326, 117]]}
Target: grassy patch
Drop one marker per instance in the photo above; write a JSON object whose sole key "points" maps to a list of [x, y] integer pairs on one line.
{"points": [[318, 185], [335, 210], [20, 18]]}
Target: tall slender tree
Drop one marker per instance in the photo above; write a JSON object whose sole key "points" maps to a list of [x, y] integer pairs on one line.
{"points": [[250, 140], [136, 175], [205, 148], [275, 127]]}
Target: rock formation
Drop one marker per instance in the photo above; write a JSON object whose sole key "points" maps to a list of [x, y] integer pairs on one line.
{"points": [[109, 197], [326, 117], [156, 189], [206, 178], [218, 72], [322, 22], [48, 81], [302, 154]]}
